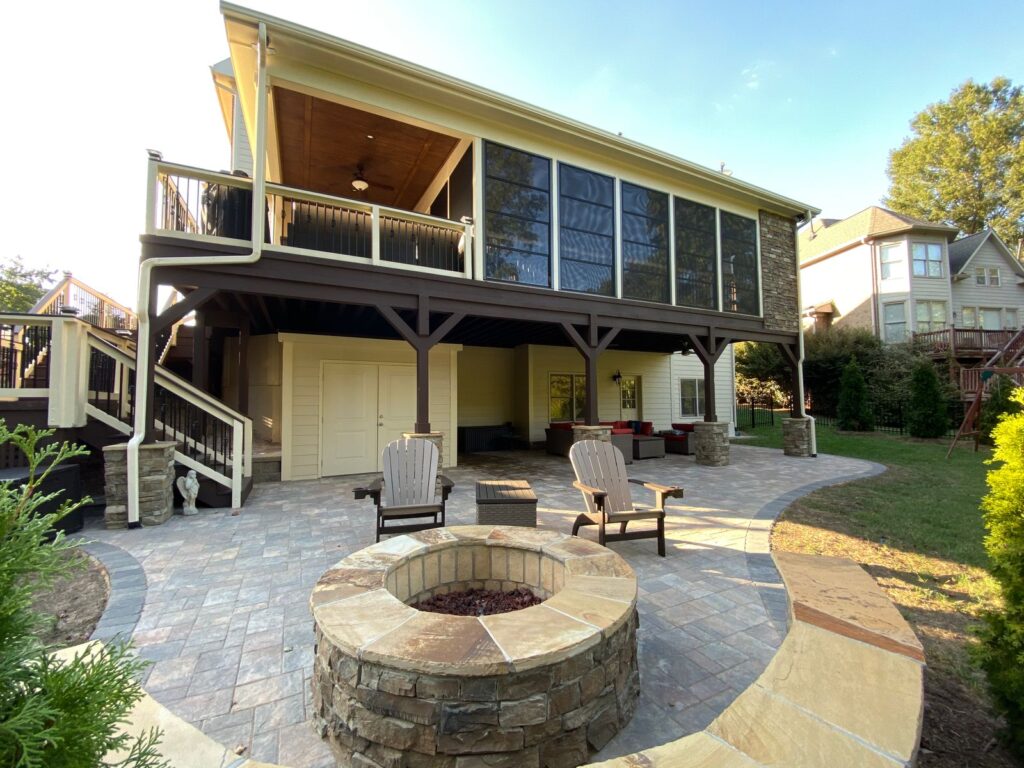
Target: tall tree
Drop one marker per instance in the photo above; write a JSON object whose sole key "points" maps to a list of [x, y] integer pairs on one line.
{"points": [[20, 286], [964, 163]]}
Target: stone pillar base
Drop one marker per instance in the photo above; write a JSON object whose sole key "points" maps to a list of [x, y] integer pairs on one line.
{"points": [[156, 483], [796, 436], [437, 438], [602, 434], [711, 443]]}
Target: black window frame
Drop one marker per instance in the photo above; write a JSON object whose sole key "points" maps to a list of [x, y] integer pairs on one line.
{"points": [[682, 253], [624, 269], [562, 228], [731, 288]]}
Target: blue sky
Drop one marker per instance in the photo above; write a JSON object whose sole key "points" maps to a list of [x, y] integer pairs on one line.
{"points": [[805, 100]]}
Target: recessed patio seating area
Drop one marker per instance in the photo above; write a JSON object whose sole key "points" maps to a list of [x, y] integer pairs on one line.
{"points": [[226, 613]]}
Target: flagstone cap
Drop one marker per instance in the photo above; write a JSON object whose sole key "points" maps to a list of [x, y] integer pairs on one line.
{"points": [[592, 590]]}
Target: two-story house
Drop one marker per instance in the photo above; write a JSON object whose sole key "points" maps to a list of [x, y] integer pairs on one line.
{"points": [[878, 270], [395, 251], [904, 278]]}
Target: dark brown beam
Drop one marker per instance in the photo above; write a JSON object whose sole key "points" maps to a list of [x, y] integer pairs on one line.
{"points": [[175, 312], [591, 351]]}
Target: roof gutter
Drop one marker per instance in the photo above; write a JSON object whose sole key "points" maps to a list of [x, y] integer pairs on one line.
{"points": [[145, 349]]}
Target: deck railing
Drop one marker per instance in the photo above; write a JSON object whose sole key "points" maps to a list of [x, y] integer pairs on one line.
{"points": [[25, 355], [89, 305], [194, 204], [963, 340]]}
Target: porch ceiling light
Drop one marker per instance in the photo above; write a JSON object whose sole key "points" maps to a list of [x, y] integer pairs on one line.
{"points": [[360, 185]]}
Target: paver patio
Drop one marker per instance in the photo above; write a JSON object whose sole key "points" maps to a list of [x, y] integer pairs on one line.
{"points": [[225, 615]]}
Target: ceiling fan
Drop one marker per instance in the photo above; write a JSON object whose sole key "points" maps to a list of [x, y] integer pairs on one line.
{"points": [[361, 184]]}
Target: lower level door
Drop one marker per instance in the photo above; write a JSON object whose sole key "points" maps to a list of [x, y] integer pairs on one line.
{"points": [[396, 399], [349, 429]]}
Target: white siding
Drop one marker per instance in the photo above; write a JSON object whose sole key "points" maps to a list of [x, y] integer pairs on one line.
{"points": [[303, 355], [659, 381], [487, 386], [1007, 295], [845, 280]]}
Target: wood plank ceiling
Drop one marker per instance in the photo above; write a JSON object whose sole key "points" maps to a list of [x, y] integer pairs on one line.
{"points": [[323, 144]]}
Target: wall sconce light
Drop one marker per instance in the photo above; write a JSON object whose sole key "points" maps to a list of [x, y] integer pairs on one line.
{"points": [[617, 377]]}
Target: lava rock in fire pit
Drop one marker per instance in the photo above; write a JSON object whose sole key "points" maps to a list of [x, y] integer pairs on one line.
{"points": [[479, 602]]}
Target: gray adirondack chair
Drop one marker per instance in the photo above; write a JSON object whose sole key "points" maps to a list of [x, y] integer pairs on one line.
{"points": [[601, 478], [409, 488]]}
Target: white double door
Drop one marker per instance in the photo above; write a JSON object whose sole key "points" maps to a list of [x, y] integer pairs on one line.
{"points": [[365, 406]]}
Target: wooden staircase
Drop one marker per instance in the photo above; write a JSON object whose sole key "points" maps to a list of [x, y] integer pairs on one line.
{"points": [[976, 382]]}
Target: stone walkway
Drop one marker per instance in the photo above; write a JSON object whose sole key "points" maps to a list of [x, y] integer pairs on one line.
{"points": [[226, 620]]}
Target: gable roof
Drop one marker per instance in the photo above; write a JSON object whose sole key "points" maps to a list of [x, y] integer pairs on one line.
{"points": [[332, 55], [962, 251], [823, 237]]}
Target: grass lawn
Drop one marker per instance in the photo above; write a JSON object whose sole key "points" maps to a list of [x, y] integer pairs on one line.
{"points": [[918, 531]]}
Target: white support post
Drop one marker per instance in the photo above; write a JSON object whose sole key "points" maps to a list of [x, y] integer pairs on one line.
{"points": [[247, 439], [237, 472], [553, 230], [672, 250], [468, 251], [69, 373], [375, 235]]}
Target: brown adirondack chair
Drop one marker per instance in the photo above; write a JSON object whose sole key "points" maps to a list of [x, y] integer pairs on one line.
{"points": [[410, 487], [601, 478]]}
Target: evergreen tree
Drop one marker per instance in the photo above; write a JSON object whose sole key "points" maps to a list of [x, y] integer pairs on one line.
{"points": [[54, 713], [854, 411], [1001, 652], [1000, 400], [927, 414]]}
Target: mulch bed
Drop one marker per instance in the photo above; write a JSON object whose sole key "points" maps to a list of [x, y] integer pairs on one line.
{"points": [[74, 603], [479, 602]]}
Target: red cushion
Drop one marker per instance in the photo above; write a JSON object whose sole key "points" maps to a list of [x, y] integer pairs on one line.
{"points": [[561, 425], [616, 431], [622, 425], [684, 427], [647, 428]]}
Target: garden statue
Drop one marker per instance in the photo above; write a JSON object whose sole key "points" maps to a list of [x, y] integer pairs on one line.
{"points": [[188, 487]]}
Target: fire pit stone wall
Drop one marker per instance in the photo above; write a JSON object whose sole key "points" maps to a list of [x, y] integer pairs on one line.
{"points": [[399, 688]]}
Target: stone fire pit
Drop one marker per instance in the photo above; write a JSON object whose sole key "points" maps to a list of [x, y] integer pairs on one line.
{"points": [[396, 687]]}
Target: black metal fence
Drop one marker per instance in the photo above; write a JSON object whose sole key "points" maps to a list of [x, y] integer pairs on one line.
{"points": [[891, 418], [755, 413]]}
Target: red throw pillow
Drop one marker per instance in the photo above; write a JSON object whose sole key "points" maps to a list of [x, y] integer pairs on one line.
{"points": [[621, 431], [647, 428]]}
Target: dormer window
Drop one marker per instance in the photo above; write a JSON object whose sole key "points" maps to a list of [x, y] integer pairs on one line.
{"points": [[927, 259]]}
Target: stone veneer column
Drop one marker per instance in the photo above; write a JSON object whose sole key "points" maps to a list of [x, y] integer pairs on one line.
{"points": [[796, 436], [156, 483], [711, 443], [602, 434], [437, 438]]}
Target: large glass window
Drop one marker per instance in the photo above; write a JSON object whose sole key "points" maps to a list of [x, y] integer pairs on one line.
{"points": [[691, 393], [567, 396], [517, 191], [586, 231], [990, 318], [739, 264], [696, 255], [644, 244], [970, 319], [931, 316], [890, 258], [894, 317], [927, 259]]}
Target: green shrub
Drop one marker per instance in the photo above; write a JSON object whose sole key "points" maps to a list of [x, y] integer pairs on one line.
{"points": [[826, 356], [1001, 652], [927, 414], [1000, 401], [854, 410], [57, 714]]}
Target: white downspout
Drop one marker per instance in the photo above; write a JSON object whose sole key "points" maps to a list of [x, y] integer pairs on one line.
{"points": [[147, 267], [800, 360]]}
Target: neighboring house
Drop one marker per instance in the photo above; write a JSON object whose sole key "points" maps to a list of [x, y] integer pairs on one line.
{"points": [[903, 278], [433, 255], [878, 270]]}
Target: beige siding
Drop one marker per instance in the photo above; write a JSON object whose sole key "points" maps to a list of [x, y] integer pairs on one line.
{"points": [[930, 288], [845, 280], [689, 367], [303, 356], [486, 386], [659, 382], [241, 153], [1007, 295], [265, 387]]}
